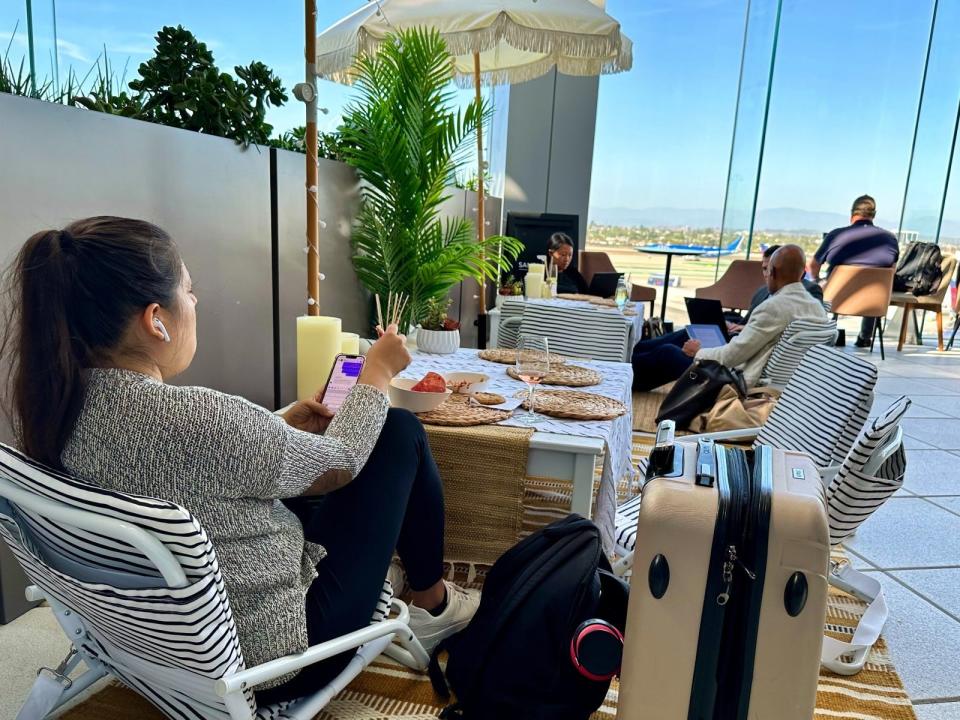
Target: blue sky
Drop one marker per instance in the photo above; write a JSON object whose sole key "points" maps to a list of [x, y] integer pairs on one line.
{"points": [[843, 104]]}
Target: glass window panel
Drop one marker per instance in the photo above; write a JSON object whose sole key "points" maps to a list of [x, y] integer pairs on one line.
{"points": [[843, 109], [935, 129], [662, 142], [759, 47]]}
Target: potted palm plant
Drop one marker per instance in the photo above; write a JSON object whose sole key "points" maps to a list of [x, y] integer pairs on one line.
{"points": [[407, 142], [438, 333]]}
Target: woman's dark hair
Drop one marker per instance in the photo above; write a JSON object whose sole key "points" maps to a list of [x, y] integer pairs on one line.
{"points": [[71, 295], [557, 241]]}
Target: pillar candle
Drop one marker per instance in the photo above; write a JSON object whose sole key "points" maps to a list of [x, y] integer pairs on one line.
{"points": [[350, 343], [318, 343], [534, 280]]}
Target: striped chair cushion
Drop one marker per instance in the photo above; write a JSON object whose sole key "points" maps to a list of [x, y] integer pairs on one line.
{"points": [[169, 644], [799, 336], [507, 333], [626, 517], [823, 407], [853, 495], [578, 332]]}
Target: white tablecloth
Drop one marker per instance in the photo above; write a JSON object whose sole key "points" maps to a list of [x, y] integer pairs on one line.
{"points": [[616, 434]]}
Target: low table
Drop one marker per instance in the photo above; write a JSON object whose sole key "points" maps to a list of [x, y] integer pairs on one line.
{"points": [[563, 449]]}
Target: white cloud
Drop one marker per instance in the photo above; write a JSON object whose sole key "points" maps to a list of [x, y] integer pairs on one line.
{"points": [[72, 51]]}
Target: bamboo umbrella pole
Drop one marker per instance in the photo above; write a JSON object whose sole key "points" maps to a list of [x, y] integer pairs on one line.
{"points": [[481, 217], [310, 140]]}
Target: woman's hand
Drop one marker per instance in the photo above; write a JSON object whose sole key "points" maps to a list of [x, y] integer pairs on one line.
{"points": [[385, 358], [310, 416]]}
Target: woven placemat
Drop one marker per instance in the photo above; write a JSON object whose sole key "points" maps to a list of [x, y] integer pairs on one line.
{"points": [[458, 411], [611, 303], [483, 471], [575, 405], [569, 375], [508, 356], [576, 296]]}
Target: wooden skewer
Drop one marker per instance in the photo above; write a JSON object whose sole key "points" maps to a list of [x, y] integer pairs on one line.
{"points": [[402, 309], [379, 312]]}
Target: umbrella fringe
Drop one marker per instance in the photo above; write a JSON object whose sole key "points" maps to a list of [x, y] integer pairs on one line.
{"points": [[572, 53]]}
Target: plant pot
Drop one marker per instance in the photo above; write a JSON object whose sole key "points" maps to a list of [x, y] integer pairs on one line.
{"points": [[438, 342]]}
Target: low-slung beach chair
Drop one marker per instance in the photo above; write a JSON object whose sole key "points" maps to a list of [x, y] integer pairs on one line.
{"points": [[135, 585]]}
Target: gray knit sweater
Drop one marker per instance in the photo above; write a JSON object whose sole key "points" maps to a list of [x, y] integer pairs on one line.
{"points": [[227, 461]]}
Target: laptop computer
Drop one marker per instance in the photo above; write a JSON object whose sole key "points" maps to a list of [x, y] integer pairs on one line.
{"points": [[604, 284], [707, 311]]}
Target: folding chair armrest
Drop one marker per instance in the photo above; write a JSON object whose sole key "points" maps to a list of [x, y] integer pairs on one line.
{"points": [[741, 434], [883, 453], [315, 653], [828, 473]]}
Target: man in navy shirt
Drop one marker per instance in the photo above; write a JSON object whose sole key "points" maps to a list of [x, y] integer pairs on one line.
{"points": [[859, 243]]}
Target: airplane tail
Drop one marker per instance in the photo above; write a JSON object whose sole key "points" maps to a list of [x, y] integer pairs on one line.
{"points": [[734, 245]]}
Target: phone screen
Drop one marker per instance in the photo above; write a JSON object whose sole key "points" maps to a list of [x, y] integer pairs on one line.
{"points": [[346, 372]]}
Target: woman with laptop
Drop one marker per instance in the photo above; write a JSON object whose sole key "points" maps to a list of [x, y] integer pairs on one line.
{"points": [[560, 252], [663, 360]]}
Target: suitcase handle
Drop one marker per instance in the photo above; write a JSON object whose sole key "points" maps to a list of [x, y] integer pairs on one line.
{"points": [[706, 463]]}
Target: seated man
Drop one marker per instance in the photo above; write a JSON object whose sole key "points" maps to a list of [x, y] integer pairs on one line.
{"points": [[661, 361], [859, 243], [763, 292]]}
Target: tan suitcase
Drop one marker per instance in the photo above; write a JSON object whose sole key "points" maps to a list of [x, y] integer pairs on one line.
{"points": [[729, 587]]}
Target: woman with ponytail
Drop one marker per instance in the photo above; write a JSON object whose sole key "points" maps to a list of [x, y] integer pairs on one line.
{"points": [[102, 316]]}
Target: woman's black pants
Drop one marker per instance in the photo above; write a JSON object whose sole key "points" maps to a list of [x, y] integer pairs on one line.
{"points": [[395, 503]]}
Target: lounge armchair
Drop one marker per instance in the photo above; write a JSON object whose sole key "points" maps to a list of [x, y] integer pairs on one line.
{"points": [[737, 286], [932, 302], [117, 569], [861, 291]]}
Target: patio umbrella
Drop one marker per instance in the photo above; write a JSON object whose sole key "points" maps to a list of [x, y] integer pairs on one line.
{"points": [[491, 41]]}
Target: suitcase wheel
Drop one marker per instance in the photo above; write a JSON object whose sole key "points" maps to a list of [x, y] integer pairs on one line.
{"points": [[659, 576], [795, 594]]}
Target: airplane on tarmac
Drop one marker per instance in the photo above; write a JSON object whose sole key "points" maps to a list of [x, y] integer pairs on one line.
{"points": [[698, 250]]}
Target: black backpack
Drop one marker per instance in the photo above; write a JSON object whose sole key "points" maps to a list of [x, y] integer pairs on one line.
{"points": [[514, 658], [919, 269]]}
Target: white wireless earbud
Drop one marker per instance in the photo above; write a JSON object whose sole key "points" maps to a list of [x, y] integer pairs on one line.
{"points": [[158, 324]]}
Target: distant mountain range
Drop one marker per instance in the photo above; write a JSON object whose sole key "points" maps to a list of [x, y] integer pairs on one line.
{"points": [[785, 219]]}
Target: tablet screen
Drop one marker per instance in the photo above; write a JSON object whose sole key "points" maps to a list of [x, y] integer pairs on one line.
{"points": [[708, 335]]}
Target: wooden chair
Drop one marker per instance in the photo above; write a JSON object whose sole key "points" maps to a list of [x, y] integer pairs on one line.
{"points": [[861, 291], [594, 262], [932, 302], [737, 286]]}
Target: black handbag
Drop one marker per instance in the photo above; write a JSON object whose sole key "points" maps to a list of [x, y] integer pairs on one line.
{"points": [[696, 391]]}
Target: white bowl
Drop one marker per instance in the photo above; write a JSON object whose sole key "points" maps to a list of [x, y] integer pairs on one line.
{"points": [[478, 381], [401, 396]]}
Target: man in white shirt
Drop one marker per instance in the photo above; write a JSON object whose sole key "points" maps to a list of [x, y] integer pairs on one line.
{"points": [[748, 351]]}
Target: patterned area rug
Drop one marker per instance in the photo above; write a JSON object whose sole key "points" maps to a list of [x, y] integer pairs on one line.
{"points": [[389, 691]]}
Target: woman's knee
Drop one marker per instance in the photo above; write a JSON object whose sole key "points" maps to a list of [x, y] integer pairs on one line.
{"points": [[403, 423]]}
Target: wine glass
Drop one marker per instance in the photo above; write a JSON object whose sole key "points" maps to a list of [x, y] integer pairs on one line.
{"points": [[533, 364], [620, 298]]}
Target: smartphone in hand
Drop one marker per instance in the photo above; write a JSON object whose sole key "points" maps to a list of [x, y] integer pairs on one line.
{"points": [[345, 373]]}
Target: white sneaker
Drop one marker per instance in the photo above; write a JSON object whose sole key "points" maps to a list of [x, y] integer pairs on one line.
{"points": [[430, 630], [398, 578]]}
